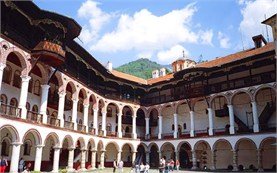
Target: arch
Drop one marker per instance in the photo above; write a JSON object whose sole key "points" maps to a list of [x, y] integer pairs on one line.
{"points": [[182, 143], [246, 139], [35, 108], [12, 130], [168, 151], [133, 148], [219, 105], [69, 139], [128, 107], [54, 136], [267, 150], [219, 95], [153, 144], [14, 51], [7, 74], [223, 150], [144, 146], [109, 109], [72, 88], [167, 143], [81, 143], [5, 146], [263, 86], [154, 159], [185, 154], [36, 135], [203, 154], [221, 140], [201, 142], [91, 143], [238, 92], [4, 101]]}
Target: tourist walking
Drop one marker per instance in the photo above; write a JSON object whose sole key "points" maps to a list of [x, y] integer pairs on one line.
{"points": [[21, 165], [141, 168], [120, 166], [177, 165], [3, 164], [114, 165], [162, 165], [146, 168]]}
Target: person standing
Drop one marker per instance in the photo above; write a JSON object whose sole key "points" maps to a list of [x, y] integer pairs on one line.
{"points": [[146, 168], [114, 165], [162, 165], [141, 168], [21, 165], [177, 165], [4, 164], [120, 166]]}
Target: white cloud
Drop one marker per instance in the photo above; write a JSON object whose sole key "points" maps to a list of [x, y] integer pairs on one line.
{"points": [[253, 14], [224, 40], [168, 56], [97, 18], [146, 32]]}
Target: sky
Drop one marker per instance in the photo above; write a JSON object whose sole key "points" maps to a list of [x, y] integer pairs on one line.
{"points": [[121, 31]]}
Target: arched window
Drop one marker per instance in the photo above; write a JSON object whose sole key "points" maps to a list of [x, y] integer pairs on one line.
{"points": [[5, 148], [4, 100], [37, 87], [17, 79], [13, 104], [69, 119], [80, 106], [35, 108], [127, 130], [109, 127], [7, 74], [27, 148], [91, 124], [80, 121], [54, 114], [30, 86]]}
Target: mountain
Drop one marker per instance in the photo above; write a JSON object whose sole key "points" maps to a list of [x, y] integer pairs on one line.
{"points": [[141, 68]]}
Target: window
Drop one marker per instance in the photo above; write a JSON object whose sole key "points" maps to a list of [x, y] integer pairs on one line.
{"points": [[37, 87], [109, 127], [35, 108], [7, 74], [69, 119], [185, 126], [27, 148], [3, 103], [80, 121], [127, 130], [17, 79]]}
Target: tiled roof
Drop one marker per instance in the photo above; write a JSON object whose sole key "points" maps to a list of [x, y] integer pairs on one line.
{"points": [[212, 63]]}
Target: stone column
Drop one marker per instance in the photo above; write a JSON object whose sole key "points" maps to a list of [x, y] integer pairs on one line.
{"points": [[74, 112], [177, 155], [85, 122], [235, 160], [102, 159], [2, 66], [95, 121], [260, 161], [56, 160], [38, 157], [191, 123], [134, 128], [147, 127], [119, 123], [70, 160], [83, 160], [255, 117], [23, 96], [61, 108], [194, 160], [231, 119], [104, 124], [213, 161], [43, 102], [211, 122], [15, 157], [148, 157], [160, 155], [119, 156], [134, 154], [175, 134], [93, 159], [160, 127]]}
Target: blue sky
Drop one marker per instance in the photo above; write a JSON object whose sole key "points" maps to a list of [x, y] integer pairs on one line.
{"points": [[121, 31]]}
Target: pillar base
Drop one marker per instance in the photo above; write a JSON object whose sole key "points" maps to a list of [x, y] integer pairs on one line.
{"points": [[175, 135], [70, 170], [194, 168], [232, 130], [235, 169], [119, 135], [211, 132], [192, 133], [134, 136], [159, 136], [256, 128]]}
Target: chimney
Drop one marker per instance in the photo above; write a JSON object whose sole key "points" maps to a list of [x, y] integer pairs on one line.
{"points": [[162, 72], [259, 41], [109, 66], [155, 73]]}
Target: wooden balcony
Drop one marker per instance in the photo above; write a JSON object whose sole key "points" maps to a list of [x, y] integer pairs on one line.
{"points": [[81, 127], [69, 125], [53, 121], [10, 110], [34, 116], [49, 52]]}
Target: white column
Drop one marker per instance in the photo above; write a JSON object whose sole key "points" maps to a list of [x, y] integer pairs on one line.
{"points": [[43, 102], [175, 125], [148, 157], [213, 164], [194, 160], [61, 108], [38, 157], [2, 66], [119, 124], [134, 154], [15, 157], [231, 119], [119, 156], [85, 121], [23, 95], [134, 126], [260, 161], [93, 159], [211, 121], [255, 117], [191, 123], [83, 160], [102, 159], [70, 159], [160, 127], [56, 160], [235, 160], [147, 127], [104, 115], [95, 121], [74, 112]]}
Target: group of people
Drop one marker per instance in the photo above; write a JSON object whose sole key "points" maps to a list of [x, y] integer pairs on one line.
{"points": [[22, 167], [3, 164], [166, 167], [142, 168], [118, 166]]}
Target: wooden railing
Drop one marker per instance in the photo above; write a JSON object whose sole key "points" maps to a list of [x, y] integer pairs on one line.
{"points": [[81, 127], [111, 133], [53, 121], [127, 135], [34, 116], [10, 110]]}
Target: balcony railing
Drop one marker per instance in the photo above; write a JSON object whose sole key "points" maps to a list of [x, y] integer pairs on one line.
{"points": [[53, 121], [10, 110], [111, 133], [91, 130], [127, 135], [34, 116], [81, 127], [68, 125]]}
